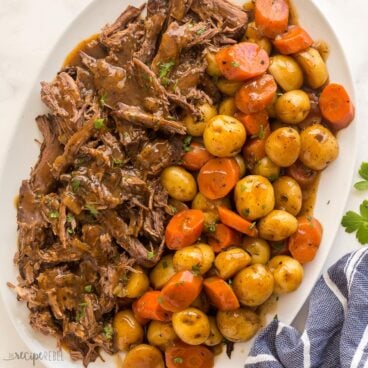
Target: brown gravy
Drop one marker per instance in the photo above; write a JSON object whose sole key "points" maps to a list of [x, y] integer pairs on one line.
{"points": [[309, 198]]}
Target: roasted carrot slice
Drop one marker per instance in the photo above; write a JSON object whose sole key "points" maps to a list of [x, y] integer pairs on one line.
{"points": [[296, 39], [148, 307], [220, 293], [271, 17], [141, 321], [254, 96], [253, 151], [242, 61], [304, 243], [302, 174], [184, 229], [187, 356], [223, 237], [196, 157], [336, 106], [237, 222], [255, 124], [180, 291]]}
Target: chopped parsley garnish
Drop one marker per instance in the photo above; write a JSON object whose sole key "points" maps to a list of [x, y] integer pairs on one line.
{"points": [[358, 222], [81, 312], [54, 214], [92, 209], [108, 332], [99, 123], [116, 162], [201, 31], [70, 231], [88, 288], [211, 227], [186, 143], [273, 177], [69, 217], [196, 270], [173, 210], [150, 255], [103, 100], [164, 71], [178, 360], [235, 64], [260, 134], [160, 299], [363, 173], [75, 185]]}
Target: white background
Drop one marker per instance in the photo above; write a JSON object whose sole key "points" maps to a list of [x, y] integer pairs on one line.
{"points": [[29, 28]]}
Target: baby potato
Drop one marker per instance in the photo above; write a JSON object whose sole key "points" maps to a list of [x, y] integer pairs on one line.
{"points": [[287, 272], [224, 136], [201, 302], [161, 334], [286, 71], [199, 256], [144, 356], [277, 225], [254, 197], [227, 107], [314, 67], [128, 331], [265, 167], [319, 147], [293, 107], [228, 88], [179, 183], [163, 272], [137, 284], [215, 337], [253, 285], [271, 108], [212, 67], [288, 195], [252, 31], [195, 127], [229, 262], [192, 326], [283, 146], [259, 250], [241, 162], [238, 325]]}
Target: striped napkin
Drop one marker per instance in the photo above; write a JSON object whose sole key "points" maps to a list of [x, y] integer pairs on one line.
{"points": [[336, 332]]}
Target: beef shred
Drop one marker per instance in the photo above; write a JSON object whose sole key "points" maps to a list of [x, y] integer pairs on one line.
{"points": [[93, 207]]}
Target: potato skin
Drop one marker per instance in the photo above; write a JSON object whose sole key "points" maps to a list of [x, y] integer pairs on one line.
{"points": [[287, 272], [196, 127], [192, 326], [230, 261], [128, 331], [283, 146], [258, 249], [254, 197], [288, 195], [314, 67], [277, 225], [242, 166], [215, 336], [239, 325], [163, 272], [227, 107], [267, 168], [199, 255], [144, 356], [161, 334], [138, 283], [227, 87], [212, 67], [253, 285], [319, 147], [286, 71], [293, 107], [179, 183], [224, 136]]}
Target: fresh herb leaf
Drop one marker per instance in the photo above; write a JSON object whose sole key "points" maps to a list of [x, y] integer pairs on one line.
{"points": [[92, 209], [235, 64], [178, 360], [108, 332], [150, 255], [54, 214], [70, 231], [75, 185], [103, 100], [260, 134], [164, 71], [353, 221], [88, 288], [186, 143], [116, 162], [211, 228], [69, 217], [160, 299], [81, 312], [173, 210], [99, 123], [363, 172], [196, 270], [201, 31]]}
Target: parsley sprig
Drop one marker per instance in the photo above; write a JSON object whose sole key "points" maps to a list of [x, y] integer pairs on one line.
{"points": [[358, 222], [363, 173]]}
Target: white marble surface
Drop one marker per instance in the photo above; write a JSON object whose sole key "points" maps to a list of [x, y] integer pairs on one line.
{"points": [[29, 28]]}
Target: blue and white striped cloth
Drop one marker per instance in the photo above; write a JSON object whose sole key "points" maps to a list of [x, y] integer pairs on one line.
{"points": [[336, 332]]}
